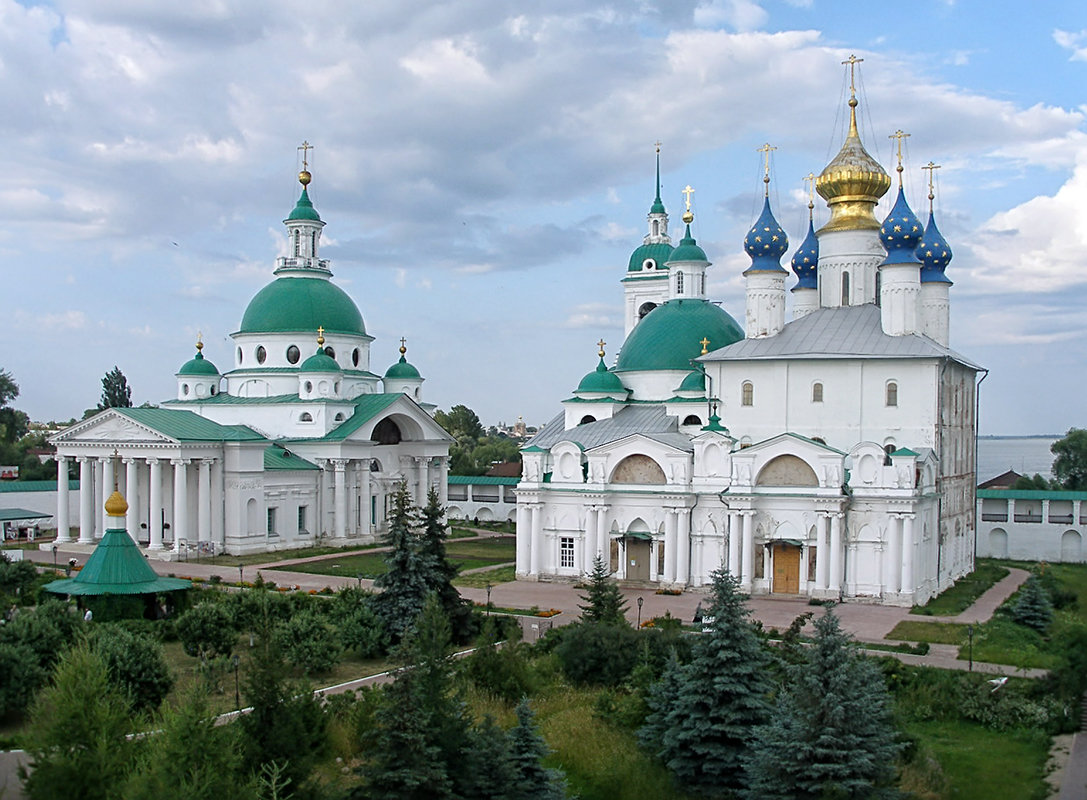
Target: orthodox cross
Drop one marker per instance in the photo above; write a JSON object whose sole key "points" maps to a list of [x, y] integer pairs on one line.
{"points": [[900, 136], [931, 175], [657, 144], [320, 334], [305, 148], [601, 344], [809, 179], [705, 345], [852, 61], [766, 150], [688, 192]]}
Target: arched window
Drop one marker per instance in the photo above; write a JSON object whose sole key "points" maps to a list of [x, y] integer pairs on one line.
{"points": [[892, 393], [747, 394], [355, 357], [239, 356], [386, 432], [185, 388], [330, 352], [305, 417], [339, 417], [817, 392], [692, 419], [702, 283], [313, 244], [645, 309], [587, 419], [679, 283], [888, 449], [845, 288], [656, 227], [214, 391]]}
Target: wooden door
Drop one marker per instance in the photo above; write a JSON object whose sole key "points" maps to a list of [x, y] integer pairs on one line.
{"points": [[786, 569], [638, 553]]}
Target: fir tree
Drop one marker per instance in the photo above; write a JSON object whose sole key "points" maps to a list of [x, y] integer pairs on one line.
{"points": [[441, 571], [604, 603], [1033, 608], [532, 780], [404, 584], [116, 392], [488, 768], [831, 733], [702, 722]]}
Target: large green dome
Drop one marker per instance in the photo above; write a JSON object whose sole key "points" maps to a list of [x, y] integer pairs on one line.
{"points": [[670, 336], [301, 305]]}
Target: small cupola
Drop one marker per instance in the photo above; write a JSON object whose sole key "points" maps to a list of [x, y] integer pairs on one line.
{"points": [[198, 378], [403, 377], [601, 383], [319, 376]]}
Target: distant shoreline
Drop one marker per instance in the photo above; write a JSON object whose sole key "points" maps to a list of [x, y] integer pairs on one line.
{"points": [[1023, 436]]}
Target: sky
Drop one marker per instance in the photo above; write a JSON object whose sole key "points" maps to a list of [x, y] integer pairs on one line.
{"points": [[485, 169]]}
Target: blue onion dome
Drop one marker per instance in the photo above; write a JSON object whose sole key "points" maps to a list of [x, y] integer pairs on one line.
{"points": [[805, 261], [766, 242], [198, 365], [688, 249], [602, 381], [901, 232], [935, 254]]}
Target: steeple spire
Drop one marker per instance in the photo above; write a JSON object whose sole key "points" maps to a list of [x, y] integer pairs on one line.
{"points": [[658, 197]]}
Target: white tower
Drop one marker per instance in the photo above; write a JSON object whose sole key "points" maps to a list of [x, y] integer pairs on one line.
{"points": [[646, 284], [934, 311]]}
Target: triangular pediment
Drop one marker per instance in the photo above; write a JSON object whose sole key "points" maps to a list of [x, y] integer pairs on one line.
{"points": [[642, 441], [108, 427]]}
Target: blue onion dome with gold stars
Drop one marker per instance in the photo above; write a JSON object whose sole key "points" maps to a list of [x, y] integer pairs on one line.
{"points": [[805, 261], [901, 232], [766, 242], [198, 365], [935, 254], [688, 249]]}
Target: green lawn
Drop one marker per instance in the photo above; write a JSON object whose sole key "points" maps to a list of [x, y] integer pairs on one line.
{"points": [[933, 632], [959, 597], [479, 580], [469, 554], [268, 558]]}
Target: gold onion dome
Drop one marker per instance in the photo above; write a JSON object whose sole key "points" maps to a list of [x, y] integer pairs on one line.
{"points": [[116, 505], [852, 183]]}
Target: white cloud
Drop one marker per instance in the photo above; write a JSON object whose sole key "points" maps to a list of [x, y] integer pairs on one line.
{"points": [[446, 61], [1071, 40], [741, 15], [593, 315]]}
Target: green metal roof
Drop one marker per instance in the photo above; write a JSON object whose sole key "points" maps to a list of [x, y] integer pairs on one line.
{"points": [[9, 514], [669, 336], [403, 370], [694, 382], [277, 457], [304, 209], [224, 399], [601, 380], [35, 486], [1030, 494], [367, 407], [688, 250], [116, 567], [481, 480], [198, 365], [320, 362], [903, 451], [301, 305], [660, 253], [185, 426]]}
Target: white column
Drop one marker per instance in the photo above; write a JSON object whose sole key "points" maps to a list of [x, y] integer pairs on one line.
{"points": [[524, 538], [683, 546], [203, 501], [422, 478], [340, 499], [107, 490], [443, 480], [654, 559], [86, 500], [536, 539], [747, 554], [907, 554], [603, 541], [669, 545], [735, 521], [822, 551], [835, 553], [181, 500], [364, 493], [218, 508], [64, 525], [132, 495], [154, 512], [589, 541]]}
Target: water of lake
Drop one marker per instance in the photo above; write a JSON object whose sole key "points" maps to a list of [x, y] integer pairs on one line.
{"points": [[1024, 455]]}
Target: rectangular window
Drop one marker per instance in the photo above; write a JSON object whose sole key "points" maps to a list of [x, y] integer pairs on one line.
{"points": [[272, 522], [566, 552], [303, 512]]}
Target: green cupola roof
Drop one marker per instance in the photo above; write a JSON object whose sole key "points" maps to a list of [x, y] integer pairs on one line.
{"points": [[670, 336], [198, 365], [694, 382], [320, 361], [303, 209], [402, 369], [688, 250], [602, 381], [301, 304]]}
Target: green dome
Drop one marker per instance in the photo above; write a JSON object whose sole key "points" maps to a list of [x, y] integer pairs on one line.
{"points": [[320, 362], [603, 381], [695, 382], [402, 369], [198, 366], [301, 305], [669, 337], [660, 253], [688, 250], [304, 209]]}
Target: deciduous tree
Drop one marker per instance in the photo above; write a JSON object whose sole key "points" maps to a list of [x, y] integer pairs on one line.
{"points": [[1070, 459]]}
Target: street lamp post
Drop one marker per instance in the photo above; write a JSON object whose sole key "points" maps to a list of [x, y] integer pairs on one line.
{"points": [[970, 637], [237, 692], [488, 599], [358, 577], [241, 579], [54, 556], [640, 601]]}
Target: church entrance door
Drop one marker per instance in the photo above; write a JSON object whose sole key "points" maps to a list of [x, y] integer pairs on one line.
{"points": [[786, 569], [638, 553]]}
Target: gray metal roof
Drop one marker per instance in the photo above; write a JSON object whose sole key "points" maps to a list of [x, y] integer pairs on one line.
{"points": [[648, 420], [848, 332]]}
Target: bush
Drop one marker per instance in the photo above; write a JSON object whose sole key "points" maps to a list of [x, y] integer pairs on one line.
{"points": [[597, 654], [308, 642], [136, 665], [21, 674], [207, 631]]}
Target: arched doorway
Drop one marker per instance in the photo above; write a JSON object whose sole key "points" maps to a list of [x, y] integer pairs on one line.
{"points": [[1071, 546], [639, 549], [998, 543]]}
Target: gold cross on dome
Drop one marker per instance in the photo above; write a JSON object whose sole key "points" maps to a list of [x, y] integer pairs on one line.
{"points": [[305, 147], [900, 136], [809, 179], [931, 176], [320, 334], [657, 144], [403, 342], [852, 61], [766, 150], [687, 192], [705, 345], [601, 344]]}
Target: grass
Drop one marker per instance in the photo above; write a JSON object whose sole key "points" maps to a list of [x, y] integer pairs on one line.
{"points": [[960, 596], [281, 555], [933, 632], [479, 580], [980, 764], [468, 554]]}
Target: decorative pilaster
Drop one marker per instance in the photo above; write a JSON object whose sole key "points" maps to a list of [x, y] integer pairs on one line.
{"points": [[683, 546], [747, 554]]}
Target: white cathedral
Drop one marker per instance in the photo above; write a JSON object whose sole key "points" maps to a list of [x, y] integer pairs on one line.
{"points": [[297, 442], [831, 456]]}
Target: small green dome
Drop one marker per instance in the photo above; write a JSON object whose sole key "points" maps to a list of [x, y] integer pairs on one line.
{"points": [[694, 382], [304, 209], [669, 337], [688, 250], [198, 366], [402, 369], [660, 253], [301, 305], [602, 380], [320, 362]]}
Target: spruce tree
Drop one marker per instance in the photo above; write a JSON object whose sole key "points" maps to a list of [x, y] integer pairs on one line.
{"points": [[702, 722], [116, 392], [1033, 608], [604, 603], [440, 571], [532, 780], [488, 769], [404, 584], [831, 734]]}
